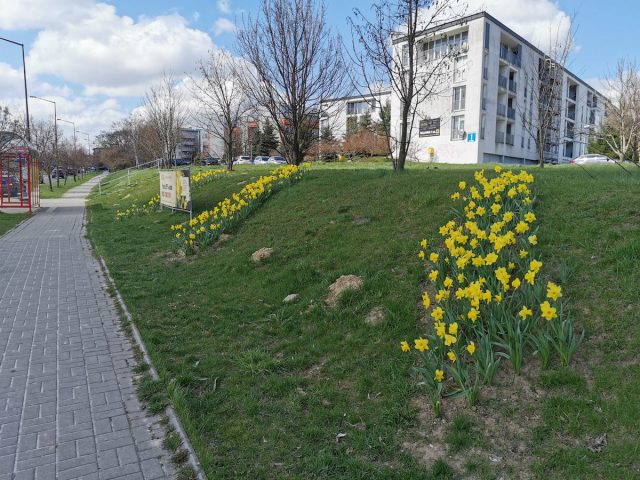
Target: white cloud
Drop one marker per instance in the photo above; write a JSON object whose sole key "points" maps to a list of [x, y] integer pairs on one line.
{"points": [[539, 21], [223, 25], [117, 56], [34, 14], [224, 6]]}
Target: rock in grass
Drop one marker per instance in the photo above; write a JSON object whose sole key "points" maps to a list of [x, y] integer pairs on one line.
{"points": [[375, 317], [261, 254], [291, 298], [342, 284]]}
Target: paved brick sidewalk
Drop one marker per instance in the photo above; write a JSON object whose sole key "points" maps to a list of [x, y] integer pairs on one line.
{"points": [[68, 407]]}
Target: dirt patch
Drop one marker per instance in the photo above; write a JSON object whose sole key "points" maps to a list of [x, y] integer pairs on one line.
{"points": [[262, 254], [341, 285], [314, 370], [375, 317], [504, 419]]}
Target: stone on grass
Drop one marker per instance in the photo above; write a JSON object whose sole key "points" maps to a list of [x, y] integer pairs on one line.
{"points": [[342, 284], [291, 298], [375, 317], [261, 254]]}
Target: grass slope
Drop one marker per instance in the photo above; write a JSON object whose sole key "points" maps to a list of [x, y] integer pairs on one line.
{"points": [[264, 388]]}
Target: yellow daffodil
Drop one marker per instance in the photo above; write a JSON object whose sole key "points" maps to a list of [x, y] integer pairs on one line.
{"points": [[533, 239], [421, 344], [473, 314], [437, 313], [434, 257], [471, 348], [547, 311], [405, 346], [426, 301], [452, 356], [525, 312], [453, 328], [553, 291], [438, 376]]}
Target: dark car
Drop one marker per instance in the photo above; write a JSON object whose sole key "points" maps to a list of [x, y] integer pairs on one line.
{"points": [[10, 185], [212, 161], [183, 161], [59, 172]]}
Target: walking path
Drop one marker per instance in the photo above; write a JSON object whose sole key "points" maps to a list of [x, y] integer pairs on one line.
{"points": [[68, 407]]}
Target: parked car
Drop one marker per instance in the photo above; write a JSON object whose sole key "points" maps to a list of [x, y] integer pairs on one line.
{"points": [[277, 160], [211, 161], [183, 161], [10, 185], [59, 172], [591, 159], [243, 160], [261, 160]]}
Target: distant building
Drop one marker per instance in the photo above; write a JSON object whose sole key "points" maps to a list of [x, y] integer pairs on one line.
{"points": [[480, 117], [343, 115], [189, 145]]}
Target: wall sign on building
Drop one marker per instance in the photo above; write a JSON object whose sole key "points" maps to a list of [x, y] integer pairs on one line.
{"points": [[430, 127]]}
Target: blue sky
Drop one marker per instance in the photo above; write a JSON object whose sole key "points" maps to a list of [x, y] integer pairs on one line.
{"points": [[97, 58]]}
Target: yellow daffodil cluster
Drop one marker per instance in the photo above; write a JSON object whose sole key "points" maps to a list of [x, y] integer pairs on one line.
{"points": [[197, 180], [484, 278], [143, 209], [206, 227]]}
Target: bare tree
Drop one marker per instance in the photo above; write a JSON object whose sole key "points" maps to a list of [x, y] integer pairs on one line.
{"points": [[545, 75], [43, 139], [297, 64], [622, 104], [166, 113], [390, 47], [222, 99]]}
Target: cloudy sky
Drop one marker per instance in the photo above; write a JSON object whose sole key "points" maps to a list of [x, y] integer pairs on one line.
{"points": [[95, 59]]}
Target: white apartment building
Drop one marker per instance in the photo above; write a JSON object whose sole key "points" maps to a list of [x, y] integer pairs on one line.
{"points": [[481, 111], [342, 115]]}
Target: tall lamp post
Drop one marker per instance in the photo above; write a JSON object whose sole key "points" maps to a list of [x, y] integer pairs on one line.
{"points": [[88, 145], [26, 95], [74, 144], [55, 134]]}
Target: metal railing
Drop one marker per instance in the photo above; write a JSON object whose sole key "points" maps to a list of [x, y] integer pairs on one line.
{"points": [[129, 173], [502, 110], [513, 86], [510, 139], [500, 137], [457, 134], [570, 133], [511, 113], [503, 82]]}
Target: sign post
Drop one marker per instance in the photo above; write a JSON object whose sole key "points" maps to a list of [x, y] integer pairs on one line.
{"points": [[175, 190]]}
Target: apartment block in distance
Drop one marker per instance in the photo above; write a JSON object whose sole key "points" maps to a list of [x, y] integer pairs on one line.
{"points": [[486, 101], [343, 115]]}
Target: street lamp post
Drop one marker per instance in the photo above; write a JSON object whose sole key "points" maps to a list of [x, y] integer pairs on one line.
{"points": [[74, 145], [88, 145], [26, 94], [55, 133]]}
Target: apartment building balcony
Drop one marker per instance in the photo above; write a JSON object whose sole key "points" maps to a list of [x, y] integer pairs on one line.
{"points": [[502, 110], [484, 103], [570, 133], [511, 113], [571, 115], [510, 139], [508, 56], [500, 137], [503, 82], [513, 86]]}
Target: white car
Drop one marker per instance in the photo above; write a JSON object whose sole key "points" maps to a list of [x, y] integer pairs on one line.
{"points": [[243, 160], [277, 160], [261, 160], [591, 159]]}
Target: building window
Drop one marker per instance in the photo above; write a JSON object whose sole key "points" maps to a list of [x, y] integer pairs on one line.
{"points": [[457, 127], [522, 142], [482, 124], [487, 31], [529, 143], [358, 108], [405, 55], [434, 49], [526, 84], [458, 42], [460, 69], [459, 96]]}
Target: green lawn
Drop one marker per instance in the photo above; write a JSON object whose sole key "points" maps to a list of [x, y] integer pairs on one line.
{"points": [[10, 220], [264, 388], [57, 192]]}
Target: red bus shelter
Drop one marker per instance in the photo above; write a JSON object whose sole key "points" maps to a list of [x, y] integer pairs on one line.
{"points": [[20, 177]]}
